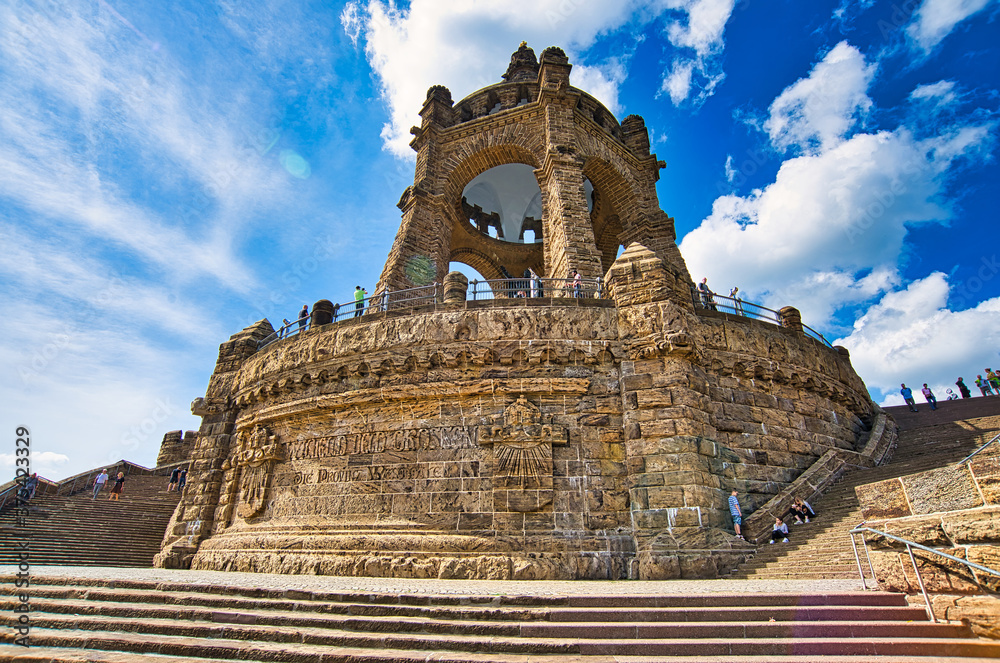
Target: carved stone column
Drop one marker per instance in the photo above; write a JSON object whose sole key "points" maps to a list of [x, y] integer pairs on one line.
{"points": [[195, 516]]}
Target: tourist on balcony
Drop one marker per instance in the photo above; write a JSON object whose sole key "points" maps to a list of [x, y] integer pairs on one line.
{"points": [[99, 482], [734, 294], [536, 283], [908, 397], [359, 301], [929, 395], [779, 529], [119, 486], [303, 317], [284, 327], [963, 389], [984, 386], [737, 514], [707, 296], [994, 380]]}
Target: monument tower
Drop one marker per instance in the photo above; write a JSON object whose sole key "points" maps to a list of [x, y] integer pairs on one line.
{"points": [[543, 433]]}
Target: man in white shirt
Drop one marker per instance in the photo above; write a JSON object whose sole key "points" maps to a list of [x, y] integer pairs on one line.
{"points": [[99, 482]]}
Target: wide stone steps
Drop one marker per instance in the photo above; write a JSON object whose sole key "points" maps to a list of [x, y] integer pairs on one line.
{"points": [[82, 531], [822, 548], [198, 622]]}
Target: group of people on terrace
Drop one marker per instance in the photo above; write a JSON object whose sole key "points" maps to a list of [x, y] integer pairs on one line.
{"points": [[707, 298], [988, 386]]}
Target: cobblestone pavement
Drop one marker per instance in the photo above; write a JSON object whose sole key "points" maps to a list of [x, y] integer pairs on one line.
{"points": [[449, 587]]}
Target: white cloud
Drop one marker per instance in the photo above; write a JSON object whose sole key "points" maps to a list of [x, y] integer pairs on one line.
{"points": [[935, 19], [696, 28], [829, 231], [731, 171], [467, 46], [818, 111], [911, 337], [70, 95]]}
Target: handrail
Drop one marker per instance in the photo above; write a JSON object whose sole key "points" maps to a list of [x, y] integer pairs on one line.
{"points": [[910, 545], [969, 457], [380, 301], [736, 306], [531, 288]]}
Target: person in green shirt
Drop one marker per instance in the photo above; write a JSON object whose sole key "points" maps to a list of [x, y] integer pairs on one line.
{"points": [[359, 301]]}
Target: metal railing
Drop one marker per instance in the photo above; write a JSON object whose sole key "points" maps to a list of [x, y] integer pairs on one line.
{"points": [[736, 306], [528, 288], [433, 293], [970, 456], [382, 301], [910, 545], [69, 485]]}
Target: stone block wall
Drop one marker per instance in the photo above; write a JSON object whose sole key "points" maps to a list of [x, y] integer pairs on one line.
{"points": [[955, 510], [176, 447]]}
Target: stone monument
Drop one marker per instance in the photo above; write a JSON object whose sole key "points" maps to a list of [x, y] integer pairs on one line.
{"points": [[550, 431]]}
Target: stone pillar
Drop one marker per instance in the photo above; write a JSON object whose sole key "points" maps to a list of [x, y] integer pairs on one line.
{"points": [[677, 473], [421, 250], [322, 313], [456, 286], [569, 235], [194, 518], [791, 318], [171, 448]]}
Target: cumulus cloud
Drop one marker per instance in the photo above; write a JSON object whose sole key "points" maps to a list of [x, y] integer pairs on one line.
{"points": [[910, 336], [815, 113], [935, 19], [467, 46], [829, 231]]}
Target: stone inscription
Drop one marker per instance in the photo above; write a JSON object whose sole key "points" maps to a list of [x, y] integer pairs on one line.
{"points": [[428, 439], [374, 473]]}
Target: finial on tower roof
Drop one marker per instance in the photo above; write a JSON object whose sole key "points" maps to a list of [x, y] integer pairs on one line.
{"points": [[523, 65]]}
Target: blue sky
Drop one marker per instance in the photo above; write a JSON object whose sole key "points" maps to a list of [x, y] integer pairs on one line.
{"points": [[172, 173]]}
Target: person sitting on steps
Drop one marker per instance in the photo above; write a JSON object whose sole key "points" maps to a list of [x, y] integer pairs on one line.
{"points": [[801, 510], [779, 529]]}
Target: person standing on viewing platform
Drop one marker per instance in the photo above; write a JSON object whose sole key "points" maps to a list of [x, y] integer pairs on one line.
{"points": [[99, 482], [929, 395], [994, 380], [359, 301], [963, 389], [707, 296], [984, 386], [119, 486], [737, 302], [303, 317], [284, 327], [908, 397]]}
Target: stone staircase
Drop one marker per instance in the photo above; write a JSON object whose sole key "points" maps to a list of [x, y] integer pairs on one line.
{"points": [[74, 619], [78, 530], [927, 440]]}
